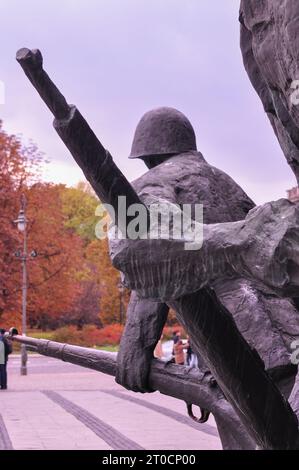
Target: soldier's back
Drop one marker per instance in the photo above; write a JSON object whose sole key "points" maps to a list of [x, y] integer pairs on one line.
{"points": [[188, 179], [268, 323]]}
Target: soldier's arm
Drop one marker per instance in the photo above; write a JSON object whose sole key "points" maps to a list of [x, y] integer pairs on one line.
{"points": [[145, 321], [263, 248]]}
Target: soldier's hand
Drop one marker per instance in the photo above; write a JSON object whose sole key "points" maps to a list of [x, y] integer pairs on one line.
{"points": [[133, 368], [144, 325]]}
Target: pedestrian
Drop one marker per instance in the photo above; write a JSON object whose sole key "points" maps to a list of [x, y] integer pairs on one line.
{"points": [[188, 352], [179, 355], [191, 357], [176, 335], [158, 352], [5, 350]]}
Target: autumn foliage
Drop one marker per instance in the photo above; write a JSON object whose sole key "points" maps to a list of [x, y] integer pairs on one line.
{"points": [[18, 169], [72, 285], [71, 280]]}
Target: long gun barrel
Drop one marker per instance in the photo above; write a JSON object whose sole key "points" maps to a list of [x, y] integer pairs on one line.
{"points": [[95, 161]]}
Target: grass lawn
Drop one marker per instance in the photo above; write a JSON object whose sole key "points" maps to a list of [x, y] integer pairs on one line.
{"points": [[108, 348]]}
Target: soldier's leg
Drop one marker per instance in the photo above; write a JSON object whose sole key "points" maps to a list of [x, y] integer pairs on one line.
{"points": [[239, 371], [269, 324], [145, 321]]}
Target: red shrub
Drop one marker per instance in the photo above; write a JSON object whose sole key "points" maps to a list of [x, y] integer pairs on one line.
{"points": [[109, 335], [90, 335]]}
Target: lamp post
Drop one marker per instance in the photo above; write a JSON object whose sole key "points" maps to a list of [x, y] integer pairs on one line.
{"points": [[21, 222]]}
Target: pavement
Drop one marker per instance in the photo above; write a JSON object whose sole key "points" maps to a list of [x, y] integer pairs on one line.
{"points": [[63, 406]]}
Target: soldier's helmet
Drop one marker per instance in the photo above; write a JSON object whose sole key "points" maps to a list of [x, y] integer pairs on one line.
{"points": [[163, 131]]}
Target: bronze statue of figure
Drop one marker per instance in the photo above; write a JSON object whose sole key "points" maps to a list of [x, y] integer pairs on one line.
{"points": [[237, 295], [165, 141]]}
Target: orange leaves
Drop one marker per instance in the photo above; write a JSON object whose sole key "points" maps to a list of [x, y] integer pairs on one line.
{"points": [[108, 278], [15, 169], [71, 280], [51, 275]]}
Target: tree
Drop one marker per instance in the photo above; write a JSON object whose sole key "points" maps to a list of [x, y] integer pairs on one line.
{"points": [[86, 309], [55, 275], [19, 166], [71, 280], [78, 206], [108, 278]]}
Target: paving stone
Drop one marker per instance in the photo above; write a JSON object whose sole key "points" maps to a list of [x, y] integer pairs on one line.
{"points": [[31, 420]]}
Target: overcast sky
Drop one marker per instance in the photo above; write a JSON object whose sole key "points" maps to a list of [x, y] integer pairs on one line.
{"points": [[116, 59]]}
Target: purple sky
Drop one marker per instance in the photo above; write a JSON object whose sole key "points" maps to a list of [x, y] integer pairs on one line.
{"points": [[116, 59]]}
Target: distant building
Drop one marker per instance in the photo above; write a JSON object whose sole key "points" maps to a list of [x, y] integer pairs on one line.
{"points": [[293, 194]]}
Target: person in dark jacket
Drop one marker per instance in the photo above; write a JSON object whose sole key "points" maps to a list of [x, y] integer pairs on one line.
{"points": [[5, 350], [191, 357]]}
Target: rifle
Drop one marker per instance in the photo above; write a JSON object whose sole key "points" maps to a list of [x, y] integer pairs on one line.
{"points": [[190, 385], [95, 161]]}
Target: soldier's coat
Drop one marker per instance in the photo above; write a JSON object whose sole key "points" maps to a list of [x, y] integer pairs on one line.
{"points": [[268, 323]]}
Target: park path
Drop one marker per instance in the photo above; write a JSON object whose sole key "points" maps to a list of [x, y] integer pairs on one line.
{"points": [[62, 406]]}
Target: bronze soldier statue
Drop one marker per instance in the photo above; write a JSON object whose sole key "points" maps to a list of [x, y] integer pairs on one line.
{"points": [[250, 249], [165, 141]]}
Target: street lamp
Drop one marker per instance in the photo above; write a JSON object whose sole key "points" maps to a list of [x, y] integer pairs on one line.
{"points": [[21, 222]]}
